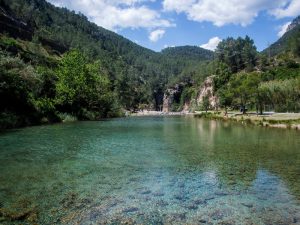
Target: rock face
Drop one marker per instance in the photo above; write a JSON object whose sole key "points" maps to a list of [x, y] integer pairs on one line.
{"points": [[14, 27], [294, 24], [207, 90], [171, 96], [167, 101]]}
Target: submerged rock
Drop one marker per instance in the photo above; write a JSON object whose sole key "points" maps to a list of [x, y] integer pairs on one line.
{"points": [[248, 205], [130, 210], [158, 194], [145, 192], [192, 206], [202, 221], [199, 201], [162, 203], [175, 217], [30, 215]]}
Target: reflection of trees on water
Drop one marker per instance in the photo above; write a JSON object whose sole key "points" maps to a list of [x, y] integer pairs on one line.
{"points": [[237, 152], [234, 166]]}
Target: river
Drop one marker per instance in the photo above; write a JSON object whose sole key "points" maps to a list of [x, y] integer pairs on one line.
{"points": [[150, 170]]}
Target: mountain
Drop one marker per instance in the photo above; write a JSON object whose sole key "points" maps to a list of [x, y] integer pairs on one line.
{"points": [[188, 52], [37, 43], [58, 30], [42, 33], [285, 42], [56, 65]]}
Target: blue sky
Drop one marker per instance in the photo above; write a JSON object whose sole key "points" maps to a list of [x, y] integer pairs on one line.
{"points": [[156, 24]]}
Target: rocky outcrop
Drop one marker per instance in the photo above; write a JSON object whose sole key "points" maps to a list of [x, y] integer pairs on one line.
{"points": [[167, 101], [294, 24], [207, 90], [16, 28], [172, 96]]}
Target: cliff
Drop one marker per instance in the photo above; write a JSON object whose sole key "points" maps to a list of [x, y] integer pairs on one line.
{"points": [[172, 97], [207, 90], [173, 100]]}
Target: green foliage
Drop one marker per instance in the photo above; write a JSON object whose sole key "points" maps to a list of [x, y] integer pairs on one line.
{"points": [[187, 94], [289, 42], [188, 52], [42, 80], [7, 42], [82, 88], [19, 85], [205, 103], [55, 31], [66, 118], [8, 120], [239, 54], [225, 97], [283, 95], [223, 75]]}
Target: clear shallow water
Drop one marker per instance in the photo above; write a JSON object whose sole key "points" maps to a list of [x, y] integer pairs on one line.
{"points": [[172, 170]]}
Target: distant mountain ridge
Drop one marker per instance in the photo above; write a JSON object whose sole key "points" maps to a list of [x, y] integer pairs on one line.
{"points": [[43, 32], [191, 52], [294, 24], [283, 44]]}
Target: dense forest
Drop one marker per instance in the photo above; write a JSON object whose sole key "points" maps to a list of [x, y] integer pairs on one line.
{"points": [[56, 65], [65, 65]]}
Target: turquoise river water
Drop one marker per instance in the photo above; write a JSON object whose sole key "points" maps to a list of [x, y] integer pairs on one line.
{"points": [[150, 170]]}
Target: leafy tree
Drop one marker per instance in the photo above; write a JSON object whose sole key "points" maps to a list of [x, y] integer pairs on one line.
{"points": [[238, 54], [19, 85], [81, 88], [244, 89], [222, 77], [225, 98], [206, 103]]}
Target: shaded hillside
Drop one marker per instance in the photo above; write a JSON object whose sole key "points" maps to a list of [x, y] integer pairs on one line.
{"points": [[42, 47], [43, 32], [285, 43]]}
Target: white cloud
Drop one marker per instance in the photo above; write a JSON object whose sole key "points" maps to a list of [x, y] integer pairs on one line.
{"points": [[282, 29], [231, 11], [155, 35], [291, 9], [117, 14], [212, 43]]}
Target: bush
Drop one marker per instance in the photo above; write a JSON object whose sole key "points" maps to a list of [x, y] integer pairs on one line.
{"points": [[65, 117], [8, 120]]}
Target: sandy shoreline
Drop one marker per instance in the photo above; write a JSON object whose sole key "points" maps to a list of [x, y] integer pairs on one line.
{"points": [[159, 113]]}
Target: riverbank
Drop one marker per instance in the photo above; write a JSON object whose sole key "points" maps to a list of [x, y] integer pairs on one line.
{"points": [[275, 120], [159, 113], [268, 119]]}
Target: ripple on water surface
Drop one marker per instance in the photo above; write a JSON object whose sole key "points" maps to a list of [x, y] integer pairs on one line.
{"points": [[173, 170]]}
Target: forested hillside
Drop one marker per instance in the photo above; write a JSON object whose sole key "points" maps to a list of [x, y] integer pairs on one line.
{"points": [[56, 65], [290, 41], [38, 35], [248, 80]]}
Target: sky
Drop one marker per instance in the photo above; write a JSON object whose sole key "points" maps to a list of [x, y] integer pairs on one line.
{"points": [[157, 24]]}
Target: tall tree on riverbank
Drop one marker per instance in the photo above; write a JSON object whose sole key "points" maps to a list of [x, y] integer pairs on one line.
{"points": [[82, 89]]}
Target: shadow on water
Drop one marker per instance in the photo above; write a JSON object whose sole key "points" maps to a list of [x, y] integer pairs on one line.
{"points": [[159, 170]]}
